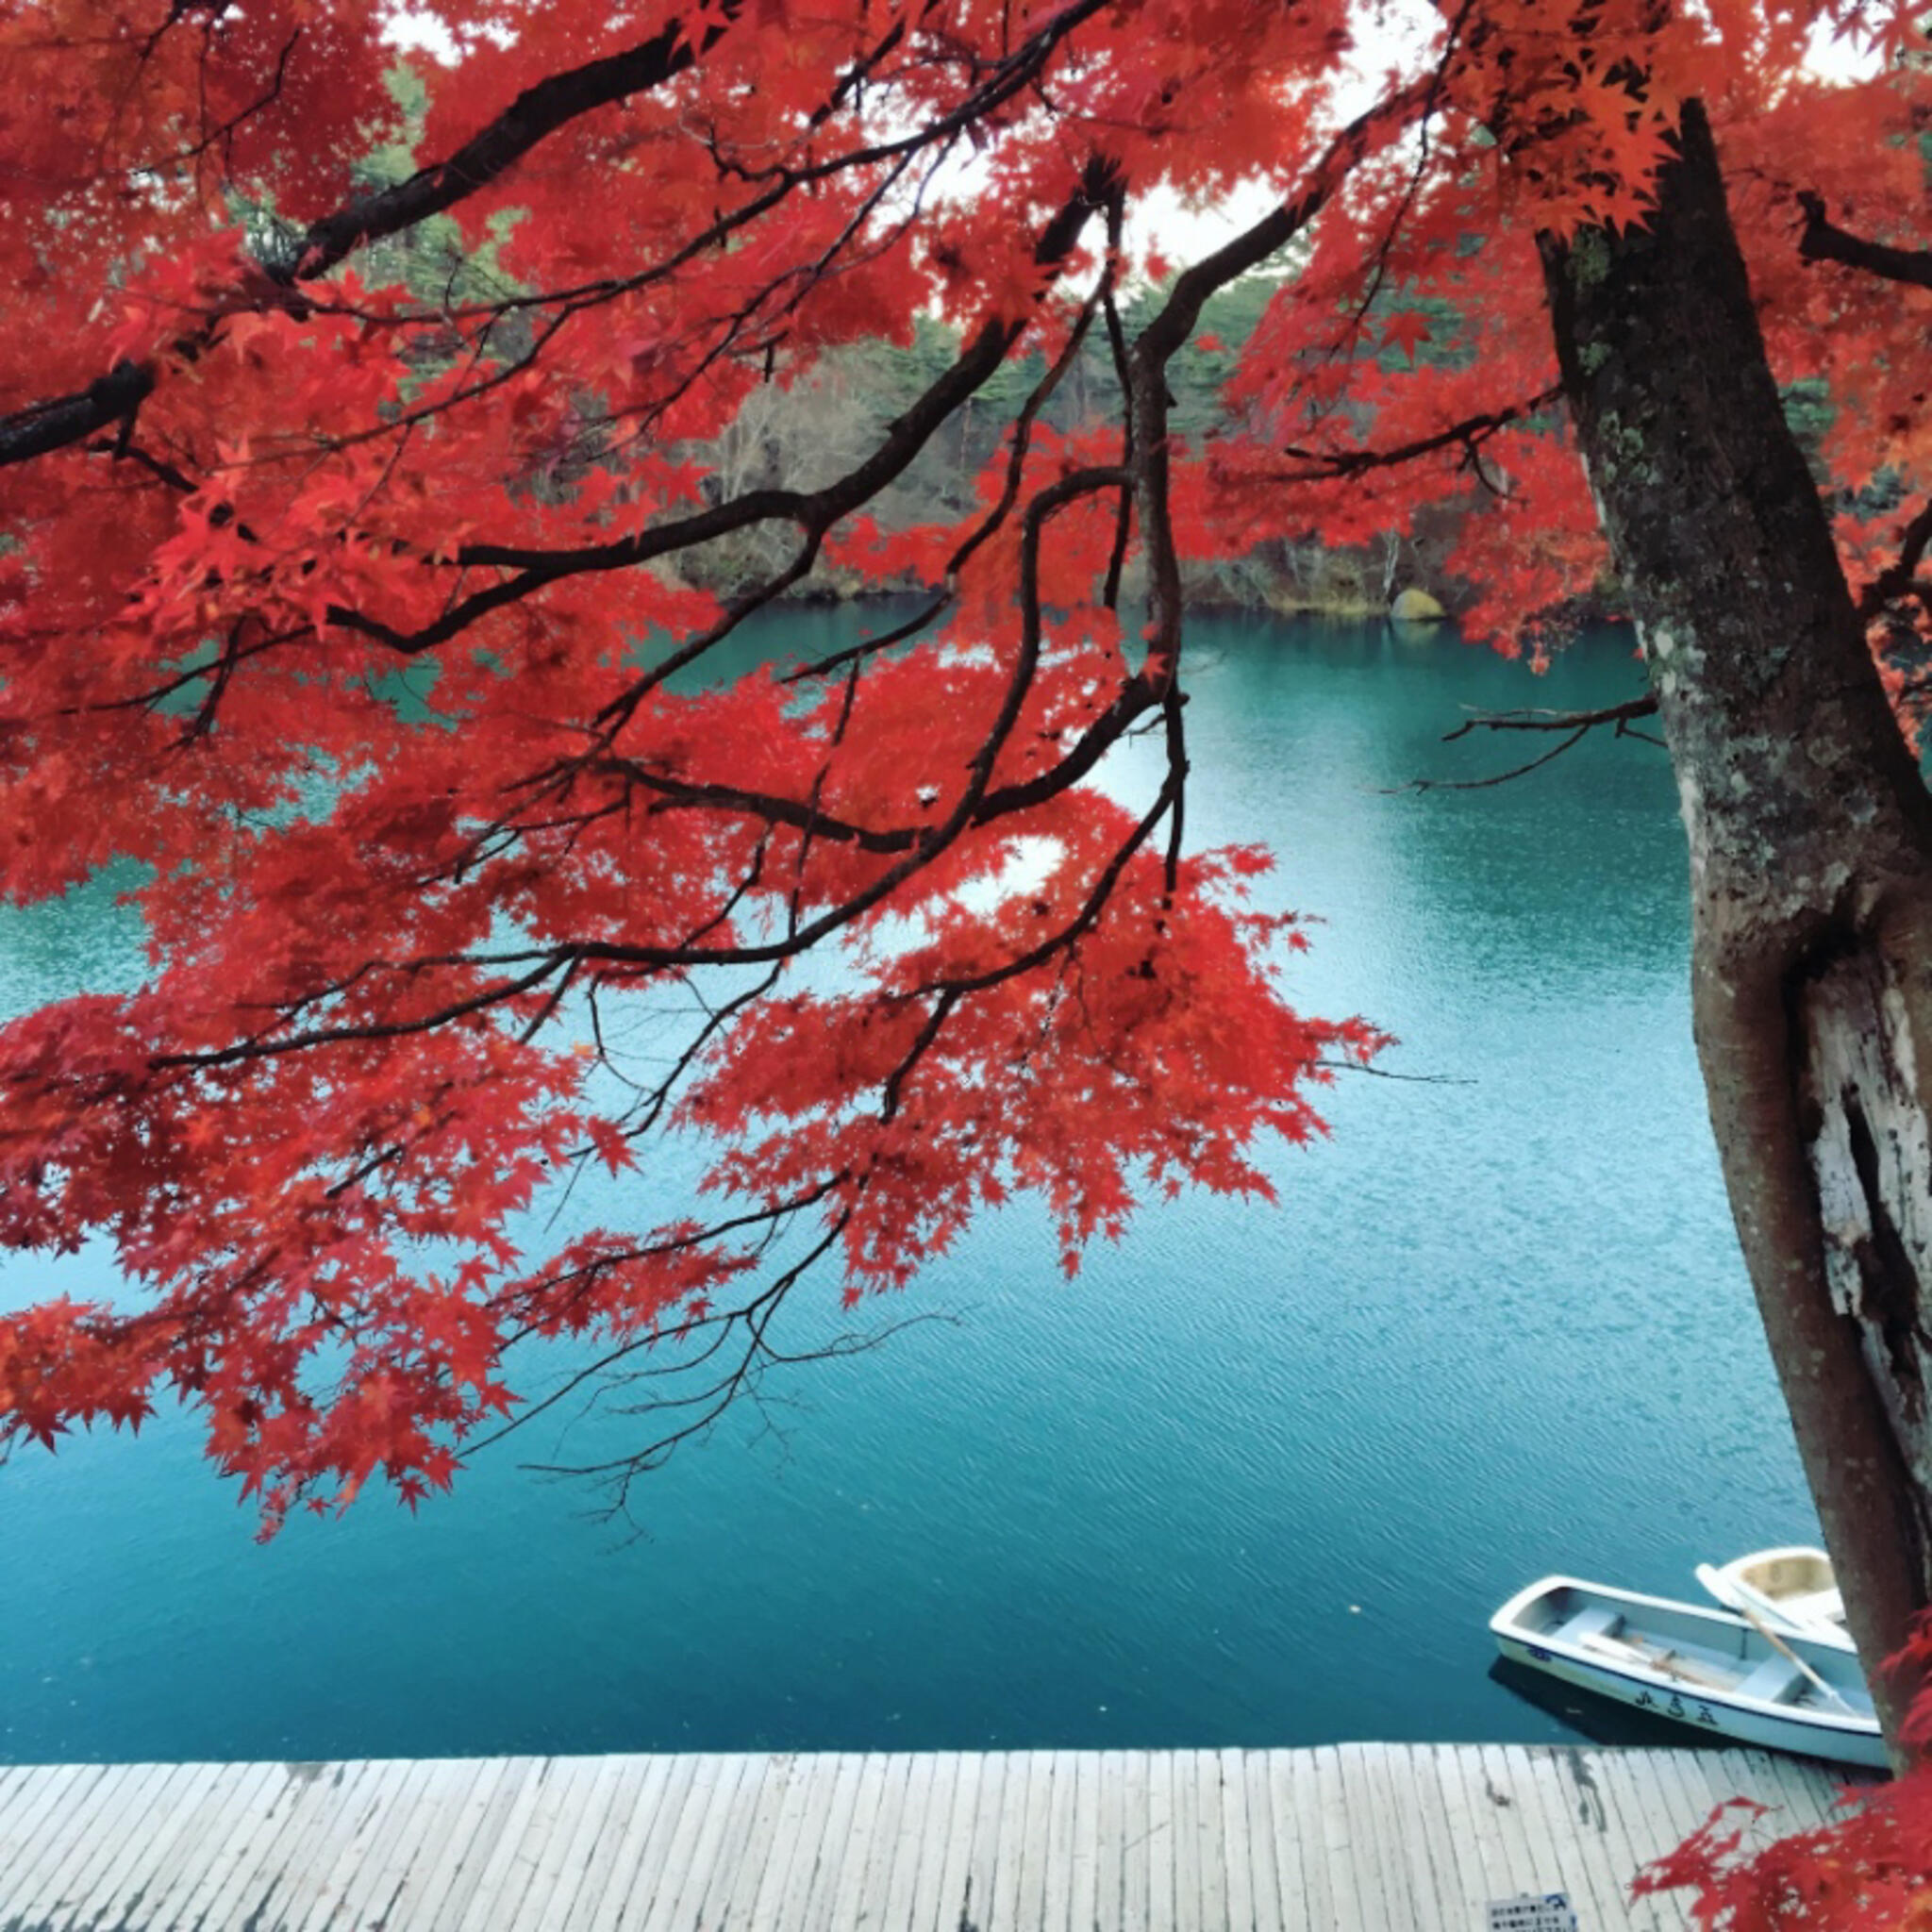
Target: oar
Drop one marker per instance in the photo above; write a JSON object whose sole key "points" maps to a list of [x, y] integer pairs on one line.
{"points": [[1791, 1656]]}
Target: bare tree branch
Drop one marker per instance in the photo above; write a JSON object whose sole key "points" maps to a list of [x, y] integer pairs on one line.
{"points": [[1896, 580], [1576, 725]]}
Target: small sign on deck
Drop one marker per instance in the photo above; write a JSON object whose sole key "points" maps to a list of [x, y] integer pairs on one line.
{"points": [[1530, 1911]]}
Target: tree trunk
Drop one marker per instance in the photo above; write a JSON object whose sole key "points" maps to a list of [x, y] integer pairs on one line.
{"points": [[1810, 834]]}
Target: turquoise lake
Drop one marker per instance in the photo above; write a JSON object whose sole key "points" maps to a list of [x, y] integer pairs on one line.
{"points": [[1257, 1476]]}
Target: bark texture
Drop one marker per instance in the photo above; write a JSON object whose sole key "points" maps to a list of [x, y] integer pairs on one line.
{"points": [[1809, 834]]}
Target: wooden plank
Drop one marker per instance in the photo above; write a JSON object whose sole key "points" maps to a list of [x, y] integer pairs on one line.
{"points": [[117, 1861], [301, 1805], [1298, 1852], [974, 1898], [113, 1862], [815, 1887], [874, 1870], [1755, 1774], [1137, 1860], [502, 1878], [937, 1837], [673, 1863], [268, 1810], [795, 1844], [594, 1808], [1237, 1857], [815, 1906], [509, 1801], [1568, 1814], [1347, 1907], [912, 1841], [304, 1843], [1183, 1836], [1652, 1817], [333, 1842], [1263, 1875], [936, 1906], [229, 1815], [1209, 1835], [1003, 1901], [1557, 1850], [732, 1885], [1505, 1854], [1457, 1878], [1806, 1792], [390, 1886], [733, 1864], [1535, 1865], [667, 1886], [802, 1780], [1161, 1833], [290, 1808], [1057, 1898], [1591, 1811], [1627, 1781], [1476, 1857], [25, 1790], [79, 1804], [1628, 1836], [638, 1862], [1374, 1843], [544, 1869], [1681, 1797], [460, 1834], [1083, 1914], [1036, 1842], [61, 1814], [371, 1893], [1626, 1833], [1683, 1789], [1426, 1863], [179, 1841], [1111, 1829], [1430, 1879]]}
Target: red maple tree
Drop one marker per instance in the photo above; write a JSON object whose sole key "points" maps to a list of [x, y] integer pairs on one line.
{"points": [[257, 469]]}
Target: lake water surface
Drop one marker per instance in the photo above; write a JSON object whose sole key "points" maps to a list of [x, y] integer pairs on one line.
{"points": [[1257, 1477]]}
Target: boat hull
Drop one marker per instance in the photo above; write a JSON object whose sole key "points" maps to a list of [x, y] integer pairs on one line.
{"points": [[1703, 1711], [1707, 1669]]}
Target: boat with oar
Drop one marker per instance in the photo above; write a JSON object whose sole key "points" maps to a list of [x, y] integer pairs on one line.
{"points": [[1791, 1588], [1721, 1673]]}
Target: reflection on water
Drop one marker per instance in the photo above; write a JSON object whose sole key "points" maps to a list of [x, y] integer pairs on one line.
{"points": [[1255, 1477], [1602, 1720]]}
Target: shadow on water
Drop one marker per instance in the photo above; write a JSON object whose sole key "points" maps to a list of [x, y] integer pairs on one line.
{"points": [[1602, 1720]]}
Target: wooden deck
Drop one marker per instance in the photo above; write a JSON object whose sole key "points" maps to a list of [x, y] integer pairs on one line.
{"points": [[1356, 1838]]}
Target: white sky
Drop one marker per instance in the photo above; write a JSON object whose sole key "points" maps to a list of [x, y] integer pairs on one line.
{"points": [[1388, 35]]}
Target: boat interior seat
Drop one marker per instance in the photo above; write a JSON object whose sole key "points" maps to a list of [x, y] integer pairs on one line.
{"points": [[1594, 1622], [1819, 1606], [1772, 1682]]}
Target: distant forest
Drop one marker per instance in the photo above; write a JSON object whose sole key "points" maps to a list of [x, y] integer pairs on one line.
{"points": [[801, 434], [798, 434]]}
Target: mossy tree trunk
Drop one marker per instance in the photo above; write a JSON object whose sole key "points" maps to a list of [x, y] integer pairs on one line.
{"points": [[1811, 837]]}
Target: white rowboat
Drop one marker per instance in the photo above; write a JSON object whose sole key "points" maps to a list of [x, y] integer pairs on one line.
{"points": [[1793, 1590], [1708, 1669]]}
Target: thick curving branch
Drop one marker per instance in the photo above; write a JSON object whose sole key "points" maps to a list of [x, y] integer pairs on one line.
{"points": [[1823, 240]]}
